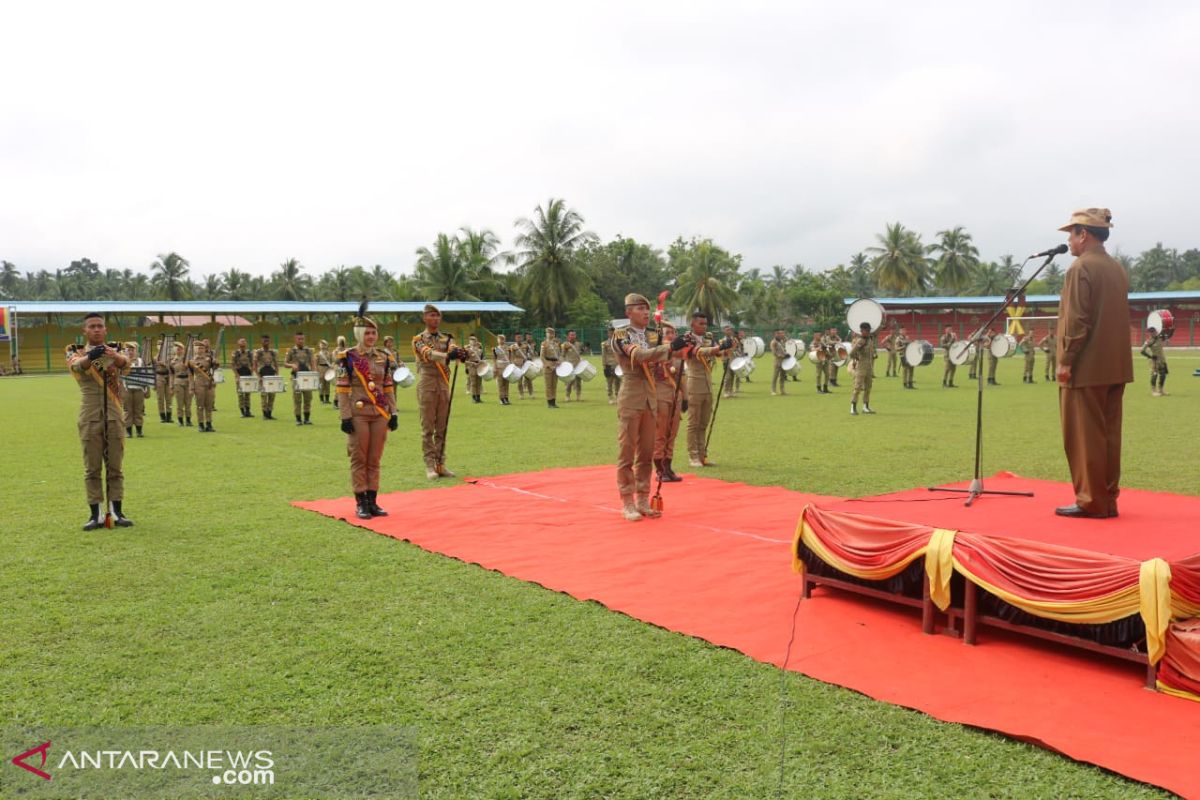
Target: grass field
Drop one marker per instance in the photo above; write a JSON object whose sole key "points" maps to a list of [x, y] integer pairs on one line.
{"points": [[226, 605]]}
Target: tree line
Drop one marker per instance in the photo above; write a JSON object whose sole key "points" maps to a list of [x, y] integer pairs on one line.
{"points": [[562, 273]]}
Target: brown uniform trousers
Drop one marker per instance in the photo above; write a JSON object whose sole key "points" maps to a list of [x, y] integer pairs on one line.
{"points": [[778, 376], [863, 353], [609, 360], [242, 363], [1093, 340], [666, 378], [433, 392], [93, 426], [303, 358], [324, 362], [527, 349], [266, 362], [181, 382], [893, 356], [499, 364], [551, 354], [204, 388], [570, 353], [134, 402], [162, 385], [637, 410], [365, 444], [1048, 347], [1030, 356], [516, 355], [946, 341], [698, 386]]}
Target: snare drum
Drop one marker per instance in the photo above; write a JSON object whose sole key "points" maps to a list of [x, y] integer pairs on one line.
{"points": [[512, 373], [307, 381], [272, 384], [741, 366], [918, 353], [760, 347], [330, 375], [248, 384], [585, 371], [218, 376], [534, 368], [841, 354], [1161, 320], [790, 365], [485, 371], [565, 372], [402, 376], [816, 355]]}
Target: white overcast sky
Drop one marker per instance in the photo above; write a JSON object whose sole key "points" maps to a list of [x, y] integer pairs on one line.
{"points": [[242, 134]]}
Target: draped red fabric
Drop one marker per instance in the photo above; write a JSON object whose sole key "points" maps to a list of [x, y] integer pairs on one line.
{"points": [[1180, 667], [1043, 572], [867, 542], [1185, 578]]}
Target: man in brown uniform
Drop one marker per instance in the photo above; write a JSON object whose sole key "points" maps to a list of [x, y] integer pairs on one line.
{"points": [[133, 399], [862, 353], [667, 375], [699, 357], [729, 382], [98, 368], [947, 341], [367, 410], [779, 351], [571, 354], [324, 364], [204, 388], [1153, 350], [893, 348], [434, 351], [529, 348], [637, 407], [266, 362], [608, 358], [181, 384], [832, 340], [1029, 349], [299, 359], [1094, 364], [992, 360], [906, 371], [162, 384], [516, 355], [241, 361], [475, 355], [500, 363], [550, 354], [1049, 346]]}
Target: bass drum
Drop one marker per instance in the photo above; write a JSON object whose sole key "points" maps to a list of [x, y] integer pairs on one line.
{"points": [[760, 347], [485, 371], [961, 352], [403, 377], [585, 371], [864, 310], [512, 373], [790, 365], [918, 353], [841, 354], [1161, 320], [741, 366], [1003, 345]]}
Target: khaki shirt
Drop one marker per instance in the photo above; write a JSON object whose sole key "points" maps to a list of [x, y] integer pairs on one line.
{"points": [[179, 368], [779, 350], [364, 383], [863, 353], [570, 351], [299, 359], [666, 378], [551, 354], [516, 353], [699, 366], [1153, 348], [1093, 322], [947, 340], [266, 361], [636, 354], [499, 358], [242, 362], [608, 356], [93, 378], [202, 368], [432, 353]]}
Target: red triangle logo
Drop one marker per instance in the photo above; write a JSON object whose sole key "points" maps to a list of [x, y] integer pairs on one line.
{"points": [[20, 760]]}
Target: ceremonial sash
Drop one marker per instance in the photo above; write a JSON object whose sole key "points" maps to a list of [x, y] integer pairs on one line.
{"points": [[423, 353], [355, 366]]}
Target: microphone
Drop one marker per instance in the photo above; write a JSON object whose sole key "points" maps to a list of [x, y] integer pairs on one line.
{"points": [[1053, 251]]}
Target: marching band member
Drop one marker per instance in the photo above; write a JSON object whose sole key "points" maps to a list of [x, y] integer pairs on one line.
{"points": [[832, 340], [608, 358], [97, 369], [779, 351], [300, 358], [367, 410], [906, 369], [266, 362], [667, 375], [181, 381], [818, 347], [134, 397], [699, 384], [1153, 350], [730, 381], [571, 354], [434, 351], [474, 382], [203, 386], [1030, 354], [862, 352], [992, 360], [551, 353], [324, 362], [241, 361], [1048, 346], [893, 351], [500, 362], [948, 339], [341, 347], [528, 349], [162, 383], [517, 355]]}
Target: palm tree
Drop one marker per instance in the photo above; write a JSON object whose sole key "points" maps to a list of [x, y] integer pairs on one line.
{"points": [[214, 289], [547, 246], [860, 276], [335, 284], [706, 281], [290, 282], [989, 278], [170, 276], [443, 273], [481, 251], [899, 260], [237, 284], [1011, 270], [381, 280], [10, 279], [957, 256]]}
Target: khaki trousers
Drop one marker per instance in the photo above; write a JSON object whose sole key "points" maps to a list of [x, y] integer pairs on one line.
{"points": [[323, 390], [206, 396], [1051, 365], [780, 377], [162, 385], [948, 372], [502, 387], [551, 379], [302, 400], [135, 408], [91, 436], [699, 412], [183, 398], [666, 428], [433, 404], [575, 386], [614, 384], [1091, 426], [365, 447], [862, 385], [635, 443], [267, 400], [992, 361], [893, 362]]}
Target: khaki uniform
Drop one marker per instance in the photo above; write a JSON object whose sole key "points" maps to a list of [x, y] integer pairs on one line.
{"points": [[527, 382], [981, 346], [301, 359], [1030, 351], [266, 362], [204, 388], [516, 355], [324, 362], [551, 354], [500, 362], [474, 382], [992, 361], [906, 372], [637, 410], [608, 359], [832, 340], [730, 382], [133, 399], [1048, 347], [181, 383], [698, 377], [863, 353], [822, 364], [570, 354], [667, 375], [1093, 328], [778, 376], [947, 340], [100, 392], [893, 363], [242, 363], [366, 396], [431, 351], [1153, 350], [162, 385]]}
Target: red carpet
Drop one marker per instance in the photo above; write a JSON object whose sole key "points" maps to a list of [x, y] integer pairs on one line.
{"points": [[718, 567]]}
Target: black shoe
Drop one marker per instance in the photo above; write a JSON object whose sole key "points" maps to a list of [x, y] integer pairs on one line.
{"points": [[93, 524], [299, 421], [307, 421], [180, 421], [122, 522], [189, 422], [669, 471], [372, 506], [1076, 511], [128, 432], [139, 432], [362, 511], [210, 428]]}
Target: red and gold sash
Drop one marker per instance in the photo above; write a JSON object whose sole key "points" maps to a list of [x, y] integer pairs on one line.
{"points": [[361, 368]]}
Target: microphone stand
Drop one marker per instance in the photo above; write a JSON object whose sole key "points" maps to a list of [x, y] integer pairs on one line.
{"points": [[976, 488]]}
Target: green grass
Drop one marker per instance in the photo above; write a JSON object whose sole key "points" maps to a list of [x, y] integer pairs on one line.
{"points": [[227, 605]]}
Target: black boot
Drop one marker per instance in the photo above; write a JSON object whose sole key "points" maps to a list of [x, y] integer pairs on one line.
{"points": [[210, 429], [658, 469], [94, 521], [128, 432], [362, 511], [298, 420], [372, 506], [306, 420], [119, 519], [552, 403], [162, 417], [669, 471], [139, 432], [189, 422]]}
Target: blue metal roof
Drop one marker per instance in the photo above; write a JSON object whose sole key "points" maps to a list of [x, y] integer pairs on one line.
{"points": [[1031, 299], [251, 307]]}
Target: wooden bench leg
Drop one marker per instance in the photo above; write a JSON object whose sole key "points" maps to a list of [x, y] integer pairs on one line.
{"points": [[808, 587], [1151, 677], [926, 607], [970, 609]]}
